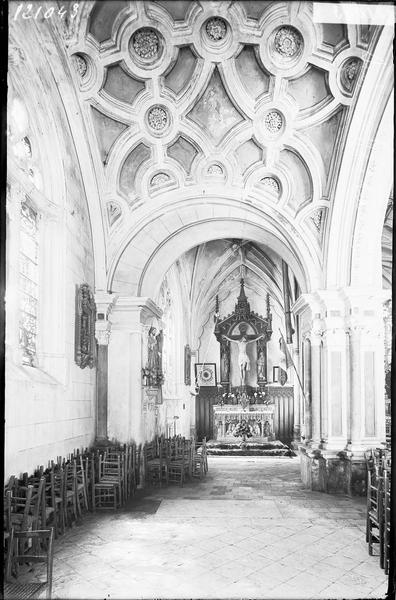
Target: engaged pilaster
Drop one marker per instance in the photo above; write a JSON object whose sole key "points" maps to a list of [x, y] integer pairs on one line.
{"points": [[131, 319], [104, 303]]}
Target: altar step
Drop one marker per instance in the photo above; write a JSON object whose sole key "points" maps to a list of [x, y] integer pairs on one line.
{"points": [[275, 448]]}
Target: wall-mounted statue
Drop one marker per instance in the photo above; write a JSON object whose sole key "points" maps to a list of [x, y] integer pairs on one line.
{"points": [[152, 374], [261, 365], [224, 361], [85, 344]]}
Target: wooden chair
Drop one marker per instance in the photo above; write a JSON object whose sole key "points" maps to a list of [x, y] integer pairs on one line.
{"points": [[198, 461], [180, 461], [54, 500], [107, 487], [155, 458], [81, 487], [20, 508], [387, 519], [41, 551], [374, 527], [70, 493]]}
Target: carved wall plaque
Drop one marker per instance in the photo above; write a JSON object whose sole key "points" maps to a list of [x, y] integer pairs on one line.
{"points": [[85, 345], [187, 365]]}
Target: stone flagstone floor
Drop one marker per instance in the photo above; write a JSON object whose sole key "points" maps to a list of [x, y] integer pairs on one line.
{"points": [[250, 530]]}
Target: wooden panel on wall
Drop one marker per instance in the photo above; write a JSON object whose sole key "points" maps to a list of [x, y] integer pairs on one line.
{"points": [[284, 417], [205, 400]]}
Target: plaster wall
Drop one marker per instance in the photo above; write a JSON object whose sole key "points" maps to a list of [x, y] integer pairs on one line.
{"points": [[49, 408]]}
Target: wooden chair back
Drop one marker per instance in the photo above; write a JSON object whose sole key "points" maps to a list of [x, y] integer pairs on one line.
{"points": [[40, 551]]}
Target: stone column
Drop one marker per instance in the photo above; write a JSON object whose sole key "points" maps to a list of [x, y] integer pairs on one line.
{"points": [[367, 395], [104, 302], [307, 389], [131, 320], [316, 380], [297, 397]]}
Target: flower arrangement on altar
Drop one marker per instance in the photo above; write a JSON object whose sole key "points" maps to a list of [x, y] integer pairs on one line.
{"points": [[227, 398], [243, 430], [262, 398]]}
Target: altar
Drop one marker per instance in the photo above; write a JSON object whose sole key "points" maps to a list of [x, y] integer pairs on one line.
{"points": [[259, 417]]}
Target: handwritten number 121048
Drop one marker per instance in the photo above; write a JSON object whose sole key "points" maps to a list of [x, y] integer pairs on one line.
{"points": [[29, 13]]}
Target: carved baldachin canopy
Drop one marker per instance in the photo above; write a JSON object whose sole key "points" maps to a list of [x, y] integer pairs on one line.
{"points": [[242, 315]]}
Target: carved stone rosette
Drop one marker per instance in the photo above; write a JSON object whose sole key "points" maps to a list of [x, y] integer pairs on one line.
{"points": [[215, 170], [80, 65], [159, 179], [288, 44], [271, 183], [216, 29], [273, 122], [157, 119], [85, 345], [146, 44]]}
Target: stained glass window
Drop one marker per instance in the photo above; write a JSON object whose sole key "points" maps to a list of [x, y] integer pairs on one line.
{"points": [[28, 283]]}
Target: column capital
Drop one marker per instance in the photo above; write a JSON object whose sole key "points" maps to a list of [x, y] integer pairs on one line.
{"points": [[102, 332]]}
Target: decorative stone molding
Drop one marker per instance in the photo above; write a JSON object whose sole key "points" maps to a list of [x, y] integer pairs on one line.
{"points": [[350, 70], [158, 118], [273, 122], [271, 183], [159, 179], [80, 65], [216, 29], [288, 43], [146, 44]]}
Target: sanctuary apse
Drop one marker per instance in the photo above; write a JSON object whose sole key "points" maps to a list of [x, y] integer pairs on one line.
{"points": [[156, 152]]}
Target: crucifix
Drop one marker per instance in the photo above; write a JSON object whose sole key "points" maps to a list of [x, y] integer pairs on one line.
{"points": [[243, 359]]}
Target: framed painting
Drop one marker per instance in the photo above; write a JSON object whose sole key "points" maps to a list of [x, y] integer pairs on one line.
{"points": [[205, 374]]}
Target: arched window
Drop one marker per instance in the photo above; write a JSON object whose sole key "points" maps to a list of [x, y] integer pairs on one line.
{"points": [[28, 282]]}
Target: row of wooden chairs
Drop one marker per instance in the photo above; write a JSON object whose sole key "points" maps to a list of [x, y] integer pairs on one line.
{"points": [[115, 476], [55, 498], [378, 464], [174, 460], [41, 506]]}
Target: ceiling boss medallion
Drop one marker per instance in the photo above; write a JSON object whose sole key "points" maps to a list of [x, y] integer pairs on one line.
{"points": [[146, 45], [216, 29], [271, 183], [159, 179], [158, 119], [287, 45], [80, 64], [273, 122]]}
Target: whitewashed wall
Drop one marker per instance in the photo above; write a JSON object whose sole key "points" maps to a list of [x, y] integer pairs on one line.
{"points": [[50, 408]]}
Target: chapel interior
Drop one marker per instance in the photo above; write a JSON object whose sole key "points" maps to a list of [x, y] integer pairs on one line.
{"points": [[199, 223]]}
